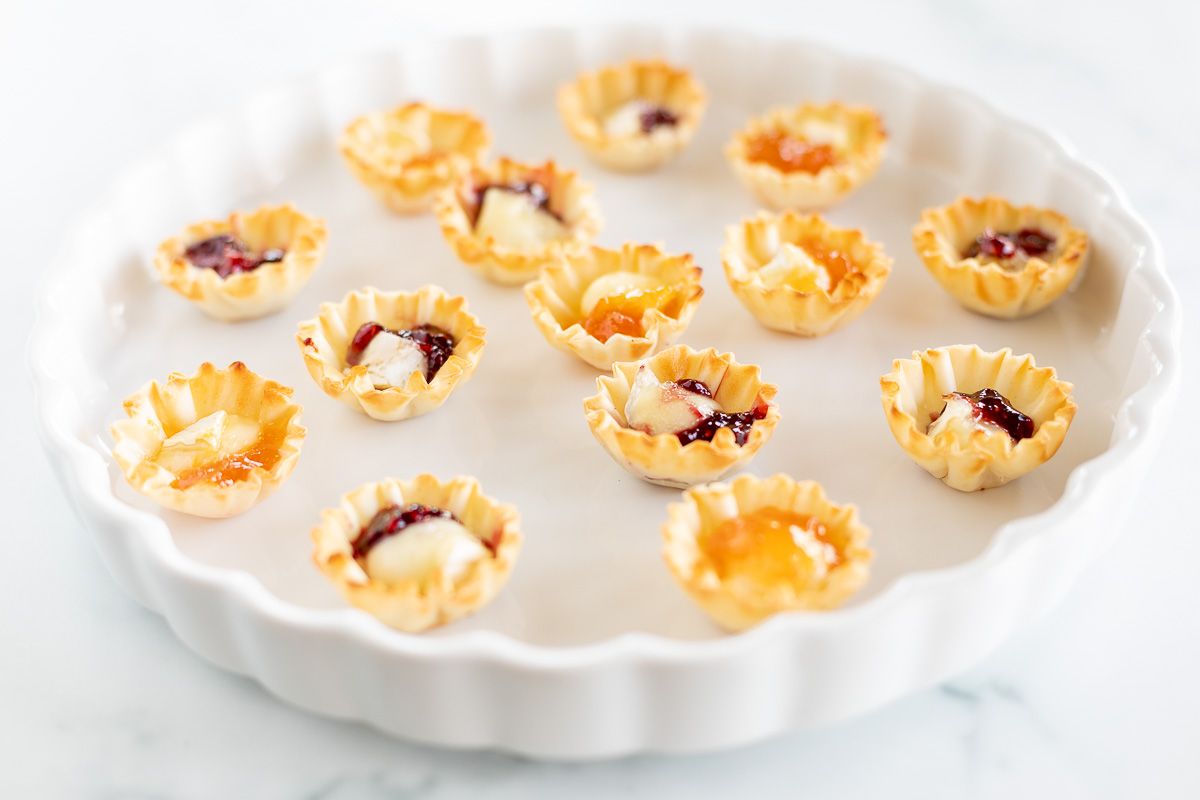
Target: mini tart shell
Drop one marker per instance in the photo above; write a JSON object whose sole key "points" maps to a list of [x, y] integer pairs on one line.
{"points": [[912, 392], [662, 459], [584, 104], [988, 288], [261, 291], [324, 340], [735, 607], [751, 245], [554, 301], [159, 410], [411, 605], [570, 197], [460, 140], [806, 190]]}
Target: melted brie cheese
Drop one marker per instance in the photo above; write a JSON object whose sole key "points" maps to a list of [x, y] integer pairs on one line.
{"points": [[390, 359], [626, 121], [655, 407], [206, 440], [512, 220], [819, 131], [424, 551], [959, 419], [615, 283], [793, 266]]}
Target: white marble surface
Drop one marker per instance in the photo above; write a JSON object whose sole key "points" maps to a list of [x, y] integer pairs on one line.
{"points": [[97, 699]]}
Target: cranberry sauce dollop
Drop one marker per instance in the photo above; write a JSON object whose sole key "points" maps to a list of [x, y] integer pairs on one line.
{"points": [[228, 255], [1001, 245], [656, 117], [536, 191], [704, 430], [436, 344], [991, 406], [391, 520]]}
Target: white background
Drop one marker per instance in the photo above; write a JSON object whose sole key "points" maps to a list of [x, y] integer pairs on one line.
{"points": [[97, 699]]}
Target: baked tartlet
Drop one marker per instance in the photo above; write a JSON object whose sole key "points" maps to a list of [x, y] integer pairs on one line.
{"points": [[634, 116], [419, 553], [974, 419], [615, 305], [211, 444], [754, 547], [808, 157], [408, 154], [508, 220], [799, 274], [392, 355], [246, 266], [682, 416], [998, 259]]}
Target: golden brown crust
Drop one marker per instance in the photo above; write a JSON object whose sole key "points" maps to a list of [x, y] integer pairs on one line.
{"points": [[737, 606], [409, 605], [914, 390], [324, 340], [408, 154], [159, 410], [554, 301], [246, 295], [862, 156], [662, 459], [570, 198], [989, 288], [585, 103], [751, 245]]}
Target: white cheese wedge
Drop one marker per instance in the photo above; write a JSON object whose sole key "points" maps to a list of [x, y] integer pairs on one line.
{"points": [[513, 220], [626, 120], [793, 266], [614, 283], [958, 418], [819, 131], [390, 359], [820, 554], [206, 440], [656, 407], [424, 551]]}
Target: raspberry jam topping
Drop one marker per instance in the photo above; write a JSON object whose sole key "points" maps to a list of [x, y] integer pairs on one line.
{"points": [[790, 153], [703, 431], [391, 520], [227, 255], [991, 406], [656, 117], [436, 344], [1029, 242]]}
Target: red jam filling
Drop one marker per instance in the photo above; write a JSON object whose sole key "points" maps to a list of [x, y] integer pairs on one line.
{"points": [[436, 344], [1001, 245], [703, 431], [991, 406], [227, 255], [657, 117]]}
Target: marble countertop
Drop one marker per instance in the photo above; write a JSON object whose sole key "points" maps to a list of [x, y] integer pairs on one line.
{"points": [[1098, 700]]}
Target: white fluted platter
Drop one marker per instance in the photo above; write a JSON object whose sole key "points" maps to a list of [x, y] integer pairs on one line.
{"points": [[592, 651]]}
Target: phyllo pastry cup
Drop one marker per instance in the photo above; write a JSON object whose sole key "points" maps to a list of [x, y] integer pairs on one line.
{"points": [[557, 214], [754, 547], [211, 444], [325, 341], [968, 454], [662, 458], [290, 244], [998, 259], [808, 157], [799, 274], [569, 301], [436, 583], [408, 154], [634, 116]]}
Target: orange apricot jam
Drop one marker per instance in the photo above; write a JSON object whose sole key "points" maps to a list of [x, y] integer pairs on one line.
{"points": [[622, 313], [764, 547], [263, 454], [835, 262], [788, 153]]}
